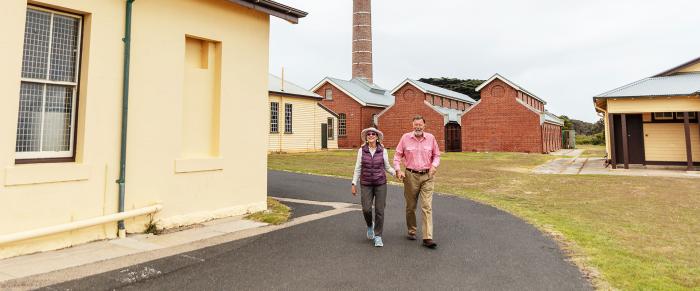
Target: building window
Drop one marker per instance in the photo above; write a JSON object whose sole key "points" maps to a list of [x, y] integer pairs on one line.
{"points": [[49, 85], [433, 100], [341, 124], [287, 118], [691, 115], [663, 115], [330, 128], [329, 94], [274, 117]]}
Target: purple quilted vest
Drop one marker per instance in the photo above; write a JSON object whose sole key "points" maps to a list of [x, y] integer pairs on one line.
{"points": [[372, 167]]}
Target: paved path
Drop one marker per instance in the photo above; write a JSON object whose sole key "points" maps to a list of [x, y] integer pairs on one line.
{"points": [[480, 248]]}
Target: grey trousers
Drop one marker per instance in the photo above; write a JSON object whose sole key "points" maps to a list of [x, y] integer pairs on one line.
{"points": [[376, 194]]}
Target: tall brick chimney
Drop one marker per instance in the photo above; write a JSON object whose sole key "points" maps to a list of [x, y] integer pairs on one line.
{"points": [[362, 39]]}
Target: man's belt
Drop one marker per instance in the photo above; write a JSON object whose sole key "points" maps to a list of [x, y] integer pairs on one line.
{"points": [[421, 172]]}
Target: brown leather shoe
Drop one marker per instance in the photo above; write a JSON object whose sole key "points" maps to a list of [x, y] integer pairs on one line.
{"points": [[429, 243], [411, 236]]}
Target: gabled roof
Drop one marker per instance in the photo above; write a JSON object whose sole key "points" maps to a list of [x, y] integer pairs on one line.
{"points": [[674, 85], [275, 86], [365, 93], [435, 90], [515, 86], [552, 118], [676, 68], [451, 113], [273, 8]]}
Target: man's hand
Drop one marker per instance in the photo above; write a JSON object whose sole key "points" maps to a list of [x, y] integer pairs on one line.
{"points": [[354, 190], [400, 175], [431, 172]]}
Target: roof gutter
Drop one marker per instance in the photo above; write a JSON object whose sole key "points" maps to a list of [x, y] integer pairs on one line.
{"points": [[273, 8]]}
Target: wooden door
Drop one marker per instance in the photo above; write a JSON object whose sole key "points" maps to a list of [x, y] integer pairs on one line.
{"points": [[453, 137]]}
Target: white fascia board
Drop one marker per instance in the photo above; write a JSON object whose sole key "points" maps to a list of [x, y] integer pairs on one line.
{"points": [[341, 89], [406, 82], [516, 87]]}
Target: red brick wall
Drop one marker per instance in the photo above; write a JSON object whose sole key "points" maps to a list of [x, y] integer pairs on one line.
{"points": [[499, 123], [397, 120], [552, 137], [358, 117]]}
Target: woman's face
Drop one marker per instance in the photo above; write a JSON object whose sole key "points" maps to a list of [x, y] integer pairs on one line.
{"points": [[371, 136]]}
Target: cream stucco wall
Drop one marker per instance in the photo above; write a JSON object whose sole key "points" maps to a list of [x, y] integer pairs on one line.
{"points": [[665, 142], [191, 188], [307, 118], [653, 104]]}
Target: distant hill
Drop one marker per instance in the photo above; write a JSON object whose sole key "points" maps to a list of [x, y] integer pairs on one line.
{"points": [[582, 127], [458, 85]]}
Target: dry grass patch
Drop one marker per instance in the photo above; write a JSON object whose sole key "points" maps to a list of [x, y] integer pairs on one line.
{"points": [[276, 213], [639, 232]]}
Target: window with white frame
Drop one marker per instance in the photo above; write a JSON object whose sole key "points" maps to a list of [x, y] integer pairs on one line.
{"points": [[49, 86], [341, 124], [330, 128], [274, 117], [329, 94], [287, 118], [691, 115], [663, 115]]}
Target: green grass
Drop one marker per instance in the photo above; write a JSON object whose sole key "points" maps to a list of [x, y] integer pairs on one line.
{"points": [[276, 213], [592, 151], [640, 233]]}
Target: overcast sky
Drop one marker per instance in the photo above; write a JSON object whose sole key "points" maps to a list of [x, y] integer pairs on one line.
{"points": [[562, 51]]}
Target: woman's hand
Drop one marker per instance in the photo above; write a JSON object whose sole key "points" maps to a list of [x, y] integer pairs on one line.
{"points": [[354, 190]]}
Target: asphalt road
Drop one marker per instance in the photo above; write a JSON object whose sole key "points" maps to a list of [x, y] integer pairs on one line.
{"points": [[480, 248]]}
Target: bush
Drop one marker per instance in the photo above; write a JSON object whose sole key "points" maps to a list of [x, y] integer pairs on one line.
{"points": [[596, 139]]}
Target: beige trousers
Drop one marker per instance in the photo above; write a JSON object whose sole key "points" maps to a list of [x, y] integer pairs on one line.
{"points": [[417, 186]]}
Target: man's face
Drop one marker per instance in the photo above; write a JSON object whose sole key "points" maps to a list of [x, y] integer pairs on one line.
{"points": [[418, 127]]}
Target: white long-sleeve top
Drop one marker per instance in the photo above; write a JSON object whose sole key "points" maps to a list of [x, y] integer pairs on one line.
{"points": [[358, 164]]}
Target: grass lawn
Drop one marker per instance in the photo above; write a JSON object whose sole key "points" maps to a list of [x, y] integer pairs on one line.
{"points": [[638, 232], [592, 151], [276, 213]]}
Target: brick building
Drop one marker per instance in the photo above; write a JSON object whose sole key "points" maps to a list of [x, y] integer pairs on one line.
{"points": [[356, 102], [509, 118], [441, 109]]}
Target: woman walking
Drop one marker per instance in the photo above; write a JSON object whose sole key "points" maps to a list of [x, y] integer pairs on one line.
{"points": [[372, 161]]}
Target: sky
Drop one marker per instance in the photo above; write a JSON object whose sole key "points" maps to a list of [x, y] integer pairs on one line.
{"points": [[565, 52]]}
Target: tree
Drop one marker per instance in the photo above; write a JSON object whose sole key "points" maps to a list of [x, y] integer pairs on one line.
{"points": [[458, 85]]}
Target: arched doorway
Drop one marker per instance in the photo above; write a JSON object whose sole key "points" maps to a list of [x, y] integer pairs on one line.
{"points": [[453, 137]]}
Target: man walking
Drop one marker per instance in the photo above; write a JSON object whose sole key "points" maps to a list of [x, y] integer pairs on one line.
{"points": [[421, 155]]}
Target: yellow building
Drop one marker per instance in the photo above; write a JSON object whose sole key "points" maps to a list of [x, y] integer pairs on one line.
{"points": [[195, 145], [654, 121], [298, 120]]}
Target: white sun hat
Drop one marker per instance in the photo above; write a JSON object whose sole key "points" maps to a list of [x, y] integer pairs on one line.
{"points": [[363, 135]]}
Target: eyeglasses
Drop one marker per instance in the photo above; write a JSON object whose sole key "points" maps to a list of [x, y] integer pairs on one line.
{"points": [[371, 133]]}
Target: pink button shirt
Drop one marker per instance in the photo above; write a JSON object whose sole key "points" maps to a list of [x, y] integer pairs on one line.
{"points": [[418, 153]]}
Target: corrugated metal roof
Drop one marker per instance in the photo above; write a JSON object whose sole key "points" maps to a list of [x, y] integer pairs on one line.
{"points": [[442, 91], [368, 93], [674, 85], [273, 8], [275, 85], [451, 113], [551, 117]]}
